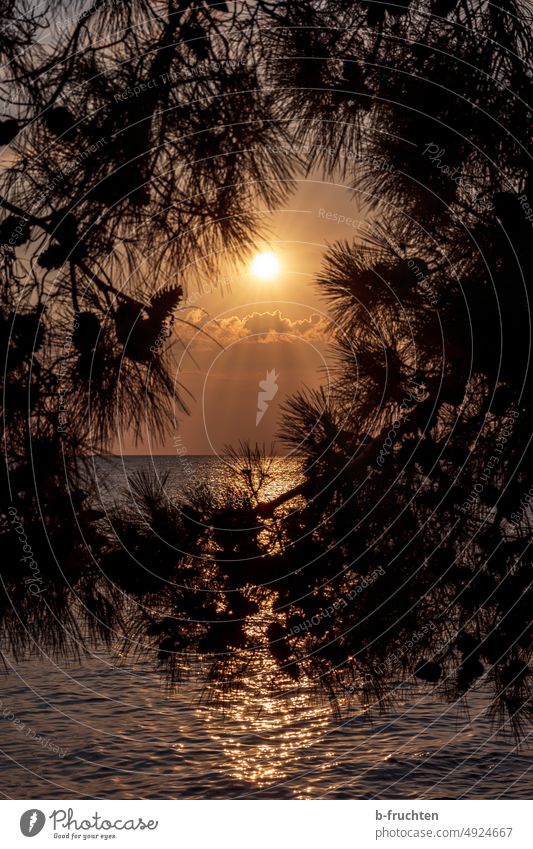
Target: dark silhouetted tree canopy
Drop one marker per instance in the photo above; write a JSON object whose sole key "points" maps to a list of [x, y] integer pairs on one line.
{"points": [[143, 142]]}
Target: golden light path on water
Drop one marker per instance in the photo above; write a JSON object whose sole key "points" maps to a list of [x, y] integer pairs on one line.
{"points": [[269, 734]]}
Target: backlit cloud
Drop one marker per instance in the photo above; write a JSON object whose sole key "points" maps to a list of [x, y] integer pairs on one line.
{"points": [[264, 327]]}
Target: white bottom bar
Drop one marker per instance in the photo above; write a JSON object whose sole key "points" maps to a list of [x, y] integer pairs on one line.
{"points": [[268, 824]]}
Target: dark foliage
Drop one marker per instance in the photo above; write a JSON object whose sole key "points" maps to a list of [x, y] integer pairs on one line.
{"points": [[143, 140]]}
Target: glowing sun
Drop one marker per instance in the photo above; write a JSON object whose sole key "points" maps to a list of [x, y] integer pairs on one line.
{"points": [[265, 265]]}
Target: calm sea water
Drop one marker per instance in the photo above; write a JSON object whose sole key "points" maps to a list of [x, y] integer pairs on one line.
{"points": [[119, 733]]}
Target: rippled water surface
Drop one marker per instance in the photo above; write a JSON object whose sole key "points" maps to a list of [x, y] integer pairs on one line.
{"points": [[121, 734], [183, 473], [118, 732]]}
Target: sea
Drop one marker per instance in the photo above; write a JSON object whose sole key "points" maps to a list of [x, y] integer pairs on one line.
{"points": [[107, 727]]}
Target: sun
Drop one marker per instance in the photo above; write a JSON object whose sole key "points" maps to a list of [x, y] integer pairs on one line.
{"points": [[265, 265]]}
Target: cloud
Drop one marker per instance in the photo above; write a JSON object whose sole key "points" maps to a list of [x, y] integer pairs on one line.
{"points": [[264, 327]]}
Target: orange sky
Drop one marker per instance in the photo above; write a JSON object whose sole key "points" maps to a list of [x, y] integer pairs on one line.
{"points": [[279, 324]]}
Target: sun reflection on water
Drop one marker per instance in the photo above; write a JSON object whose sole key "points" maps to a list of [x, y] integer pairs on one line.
{"points": [[264, 736]]}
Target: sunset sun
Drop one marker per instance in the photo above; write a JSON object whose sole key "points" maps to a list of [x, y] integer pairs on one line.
{"points": [[265, 265]]}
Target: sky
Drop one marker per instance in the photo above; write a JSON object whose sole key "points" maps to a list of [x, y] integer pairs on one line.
{"points": [[276, 330]]}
